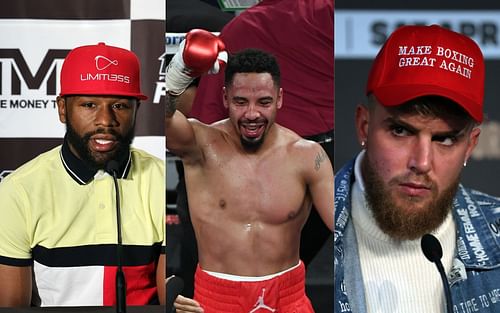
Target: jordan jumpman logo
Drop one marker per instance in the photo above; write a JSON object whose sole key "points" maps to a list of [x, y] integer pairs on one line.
{"points": [[260, 304]]}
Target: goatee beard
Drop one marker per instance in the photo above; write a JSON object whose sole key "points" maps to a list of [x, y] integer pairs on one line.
{"points": [[95, 160], [408, 221], [251, 145]]}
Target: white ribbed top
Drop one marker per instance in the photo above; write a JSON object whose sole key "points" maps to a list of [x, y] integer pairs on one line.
{"points": [[396, 274]]}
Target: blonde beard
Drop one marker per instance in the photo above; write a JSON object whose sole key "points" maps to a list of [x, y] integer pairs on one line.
{"points": [[400, 222]]}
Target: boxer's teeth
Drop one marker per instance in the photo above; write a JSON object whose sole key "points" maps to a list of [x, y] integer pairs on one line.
{"points": [[103, 141]]}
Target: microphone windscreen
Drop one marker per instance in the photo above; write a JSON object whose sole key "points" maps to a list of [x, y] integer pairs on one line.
{"points": [[112, 167], [174, 288], [431, 248]]}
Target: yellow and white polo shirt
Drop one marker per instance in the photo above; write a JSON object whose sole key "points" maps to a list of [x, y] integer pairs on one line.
{"points": [[60, 217]]}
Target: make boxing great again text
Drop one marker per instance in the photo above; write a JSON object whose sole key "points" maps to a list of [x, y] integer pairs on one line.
{"points": [[428, 55]]}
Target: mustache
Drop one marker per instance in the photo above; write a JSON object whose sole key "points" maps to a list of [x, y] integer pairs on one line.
{"points": [[257, 120], [103, 131], [420, 179]]}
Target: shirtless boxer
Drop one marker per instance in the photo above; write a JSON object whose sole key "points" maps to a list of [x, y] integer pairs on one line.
{"points": [[250, 183]]}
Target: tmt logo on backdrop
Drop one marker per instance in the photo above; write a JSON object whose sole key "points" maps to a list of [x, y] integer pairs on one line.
{"points": [[161, 88], [15, 72]]}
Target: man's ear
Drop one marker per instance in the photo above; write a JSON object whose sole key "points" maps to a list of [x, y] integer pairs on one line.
{"points": [[61, 108], [362, 119], [224, 97], [473, 140], [137, 106], [279, 103]]}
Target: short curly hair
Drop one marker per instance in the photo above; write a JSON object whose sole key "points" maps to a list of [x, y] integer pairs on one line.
{"points": [[252, 61]]}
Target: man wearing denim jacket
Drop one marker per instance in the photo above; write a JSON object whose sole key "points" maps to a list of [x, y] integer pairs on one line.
{"points": [[420, 125]]}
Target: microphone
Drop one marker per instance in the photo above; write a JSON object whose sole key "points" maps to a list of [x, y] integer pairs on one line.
{"points": [[433, 252], [174, 288], [121, 287]]}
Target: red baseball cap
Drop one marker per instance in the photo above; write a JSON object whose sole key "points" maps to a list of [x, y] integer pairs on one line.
{"points": [[420, 61], [101, 70]]}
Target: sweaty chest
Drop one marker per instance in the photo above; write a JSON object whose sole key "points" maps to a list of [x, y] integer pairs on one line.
{"points": [[269, 190]]}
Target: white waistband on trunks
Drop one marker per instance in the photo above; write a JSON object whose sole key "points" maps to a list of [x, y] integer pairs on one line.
{"points": [[250, 278]]}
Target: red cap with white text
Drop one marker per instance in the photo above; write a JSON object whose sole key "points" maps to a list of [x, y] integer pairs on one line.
{"points": [[418, 61], [101, 70]]}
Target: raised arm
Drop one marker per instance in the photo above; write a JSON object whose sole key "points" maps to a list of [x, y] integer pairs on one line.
{"points": [[319, 177], [179, 132], [201, 52]]}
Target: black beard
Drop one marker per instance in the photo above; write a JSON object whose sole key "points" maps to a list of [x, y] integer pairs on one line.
{"points": [[98, 160], [251, 145], [403, 223]]}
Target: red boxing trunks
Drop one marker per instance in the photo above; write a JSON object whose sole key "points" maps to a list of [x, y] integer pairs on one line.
{"points": [[283, 293]]}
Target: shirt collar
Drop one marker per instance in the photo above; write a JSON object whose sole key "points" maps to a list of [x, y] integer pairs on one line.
{"points": [[82, 173]]}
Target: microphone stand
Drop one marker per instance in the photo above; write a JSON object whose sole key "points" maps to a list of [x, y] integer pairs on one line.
{"points": [[121, 297], [447, 291], [433, 252], [175, 285]]}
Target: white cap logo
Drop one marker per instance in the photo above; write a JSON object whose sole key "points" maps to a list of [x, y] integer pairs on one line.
{"points": [[102, 63]]}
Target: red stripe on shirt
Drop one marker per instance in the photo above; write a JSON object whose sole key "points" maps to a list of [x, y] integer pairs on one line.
{"points": [[140, 282]]}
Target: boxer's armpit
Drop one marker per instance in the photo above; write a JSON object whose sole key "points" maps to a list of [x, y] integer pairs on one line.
{"points": [[171, 105]]}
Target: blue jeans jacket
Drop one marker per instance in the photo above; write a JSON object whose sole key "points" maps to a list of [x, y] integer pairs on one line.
{"points": [[475, 275]]}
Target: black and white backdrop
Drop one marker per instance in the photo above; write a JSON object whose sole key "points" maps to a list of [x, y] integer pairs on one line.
{"points": [[35, 36]]}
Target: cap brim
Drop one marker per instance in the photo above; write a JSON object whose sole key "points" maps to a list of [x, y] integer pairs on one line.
{"points": [[139, 96], [398, 94]]}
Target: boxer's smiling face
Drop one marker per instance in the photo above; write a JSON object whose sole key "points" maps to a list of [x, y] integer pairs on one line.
{"points": [[98, 128], [253, 100]]}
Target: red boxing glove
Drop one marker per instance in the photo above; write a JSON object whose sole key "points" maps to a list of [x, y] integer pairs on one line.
{"points": [[200, 53]]}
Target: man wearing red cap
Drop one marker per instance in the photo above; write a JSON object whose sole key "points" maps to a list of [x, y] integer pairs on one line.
{"points": [[419, 128], [58, 231], [250, 183]]}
